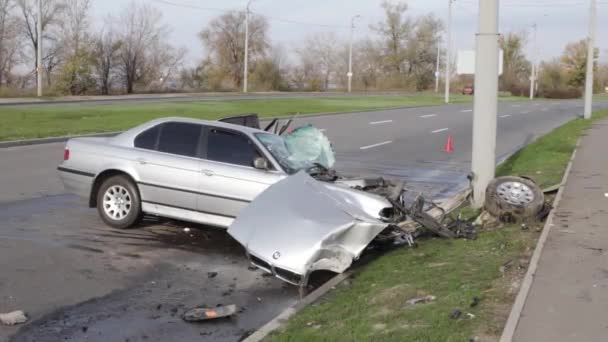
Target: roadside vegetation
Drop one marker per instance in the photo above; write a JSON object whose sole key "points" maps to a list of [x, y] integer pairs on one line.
{"points": [[371, 306], [132, 50], [26, 122]]}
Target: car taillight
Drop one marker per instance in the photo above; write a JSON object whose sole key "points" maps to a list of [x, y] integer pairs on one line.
{"points": [[66, 153]]}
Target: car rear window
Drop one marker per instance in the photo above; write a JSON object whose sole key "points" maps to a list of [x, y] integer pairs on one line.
{"points": [[179, 138], [228, 147], [148, 138]]}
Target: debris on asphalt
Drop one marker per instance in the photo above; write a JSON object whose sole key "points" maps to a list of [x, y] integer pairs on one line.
{"points": [[475, 302], [204, 314], [12, 318], [420, 300], [211, 275], [455, 313]]}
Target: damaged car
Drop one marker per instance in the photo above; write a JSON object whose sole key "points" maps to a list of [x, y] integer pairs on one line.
{"points": [[276, 191]]}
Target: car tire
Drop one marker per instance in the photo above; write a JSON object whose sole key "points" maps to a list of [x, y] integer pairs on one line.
{"points": [[514, 199], [118, 202]]}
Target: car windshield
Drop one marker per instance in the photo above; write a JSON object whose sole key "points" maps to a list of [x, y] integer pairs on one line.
{"points": [[299, 149]]}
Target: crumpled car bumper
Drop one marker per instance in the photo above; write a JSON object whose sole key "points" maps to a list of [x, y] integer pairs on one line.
{"points": [[300, 225]]}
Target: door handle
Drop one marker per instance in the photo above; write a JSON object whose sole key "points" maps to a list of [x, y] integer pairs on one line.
{"points": [[142, 161], [208, 172]]}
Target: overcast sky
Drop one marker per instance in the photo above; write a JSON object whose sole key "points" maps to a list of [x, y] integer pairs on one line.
{"points": [[559, 21]]}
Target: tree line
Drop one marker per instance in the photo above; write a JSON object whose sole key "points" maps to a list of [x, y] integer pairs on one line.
{"points": [[132, 52]]}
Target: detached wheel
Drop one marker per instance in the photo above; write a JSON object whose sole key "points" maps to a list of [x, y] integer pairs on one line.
{"points": [[118, 202], [513, 199]]}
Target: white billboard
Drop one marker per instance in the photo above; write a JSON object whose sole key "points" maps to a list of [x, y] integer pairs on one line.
{"points": [[465, 62]]}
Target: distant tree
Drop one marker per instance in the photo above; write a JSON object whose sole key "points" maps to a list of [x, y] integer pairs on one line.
{"points": [[319, 58], [106, 47], [75, 75], [421, 53], [516, 68], [395, 31], [10, 44], [574, 61], [139, 29], [224, 38], [270, 73], [51, 13]]}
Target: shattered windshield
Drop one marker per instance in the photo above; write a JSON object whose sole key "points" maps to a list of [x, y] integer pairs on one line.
{"points": [[300, 149]]}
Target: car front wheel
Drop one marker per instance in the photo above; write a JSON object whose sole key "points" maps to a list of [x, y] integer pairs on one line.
{"points": [[118, 202]]}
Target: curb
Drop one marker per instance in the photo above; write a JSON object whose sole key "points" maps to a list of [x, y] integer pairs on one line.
{"points": [[13, 143], [520, 300], [282, 318]]}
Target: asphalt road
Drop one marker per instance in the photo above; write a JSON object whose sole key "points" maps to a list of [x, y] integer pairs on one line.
{"points": [[79, 280]]}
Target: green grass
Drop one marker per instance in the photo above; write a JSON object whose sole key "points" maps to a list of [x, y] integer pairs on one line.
{"points": [[372, 306], [57, 120]]}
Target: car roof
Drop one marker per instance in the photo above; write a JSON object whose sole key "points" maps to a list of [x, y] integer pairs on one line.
{"points": [[205, 122]]}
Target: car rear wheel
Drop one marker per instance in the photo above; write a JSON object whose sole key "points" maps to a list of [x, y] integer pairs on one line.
{"points": [[118, 202]]}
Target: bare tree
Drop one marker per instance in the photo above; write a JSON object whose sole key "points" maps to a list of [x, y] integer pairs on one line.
{"points": [[224, 38], [421, 51], [574, 60], [516, 66], [75, 25], [319, 56], [10, 45], [105, 55], [395, 31], [51, 12], [140, 29]]}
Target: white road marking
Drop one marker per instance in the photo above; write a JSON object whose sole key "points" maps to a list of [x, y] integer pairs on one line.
{"points": [[375, 145], [526, 112], [516, 106], [466, 111], [440, 130], [380, 122], [428, 116], [505, 116]]}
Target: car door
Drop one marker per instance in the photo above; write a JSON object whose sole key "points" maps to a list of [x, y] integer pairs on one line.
{"points": [[229, 181], [168, 164]]}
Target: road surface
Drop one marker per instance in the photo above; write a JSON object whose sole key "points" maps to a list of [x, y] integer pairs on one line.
{"points": [[57, 255]]}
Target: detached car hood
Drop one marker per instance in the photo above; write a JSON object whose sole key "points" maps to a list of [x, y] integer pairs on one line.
{"points": [[300, 225]]}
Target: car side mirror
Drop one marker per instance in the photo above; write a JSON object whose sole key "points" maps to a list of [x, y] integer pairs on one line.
{"points": [[260, 163]]}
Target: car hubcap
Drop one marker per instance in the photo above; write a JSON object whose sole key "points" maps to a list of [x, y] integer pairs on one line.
{"points": [[117, 202], [515, 193]]}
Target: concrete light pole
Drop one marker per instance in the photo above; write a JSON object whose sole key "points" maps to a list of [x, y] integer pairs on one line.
{"points": [[350, 52], [590, 60], [533, 74], [437, 68], [39, 48], [486, 100], [448, 52], [246, 62]]}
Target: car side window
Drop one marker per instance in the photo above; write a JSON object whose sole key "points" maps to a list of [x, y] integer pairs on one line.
{"points": [[229, 147], [180, 138], [148, 139]]}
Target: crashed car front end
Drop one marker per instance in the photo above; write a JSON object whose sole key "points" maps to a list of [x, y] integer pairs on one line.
{"points": [[300, 225]]}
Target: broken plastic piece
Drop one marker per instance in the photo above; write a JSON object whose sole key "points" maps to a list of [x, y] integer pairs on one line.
{"points": [[203, 314], [419, 300], [12, 318]]}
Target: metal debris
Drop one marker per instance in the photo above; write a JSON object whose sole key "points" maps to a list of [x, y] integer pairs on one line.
{"points": [[204, 314], [12, 318], [455, 314]]}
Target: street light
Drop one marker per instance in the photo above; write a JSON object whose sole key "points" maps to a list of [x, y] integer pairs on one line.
{"points": [[350, 52], [246, 62], [448, 52]]}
